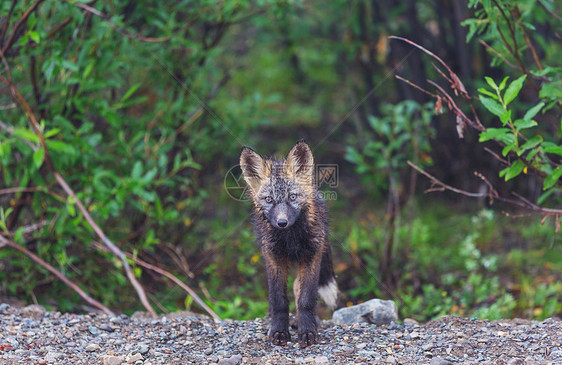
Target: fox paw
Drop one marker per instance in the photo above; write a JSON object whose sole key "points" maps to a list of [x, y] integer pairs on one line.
{"points": [[280, 338], [307, 338]]}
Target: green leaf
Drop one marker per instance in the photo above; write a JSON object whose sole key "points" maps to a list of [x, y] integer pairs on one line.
{"points": [[551, 91], [491, 82], [549, 147], [493, 133], [70, 208], [130, 92], [507, 148], [27, 134], [51, 132], [513, 89], [532, 154], [533, 142], [38, 157], [137, 170], [552, 179], [524, 124], [512, 171], [533, 111], [493, 106], [486, 92], [502, 85]]}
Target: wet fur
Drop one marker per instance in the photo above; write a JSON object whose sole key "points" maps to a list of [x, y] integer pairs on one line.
{"points": [[303, 242]]}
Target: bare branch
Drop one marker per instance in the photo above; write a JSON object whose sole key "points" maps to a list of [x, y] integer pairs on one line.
{"points": [[91, 301], [441, 186], [177, 281], [497, 53]]}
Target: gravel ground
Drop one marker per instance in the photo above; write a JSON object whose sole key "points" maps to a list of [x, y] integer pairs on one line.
{"points": [[31, 335]]}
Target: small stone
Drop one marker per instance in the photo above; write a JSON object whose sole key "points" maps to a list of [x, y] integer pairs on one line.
{"points": [[93, 330], [411, 322], [142, 349], [427, 346], [439, 361], [135, 357], [4, 308], [34, 311], [321, 360], [112, 360], [92, 347], [515, 362], [208, 351], [374, 311], [414, 335], [391, 360], [233, 360], [106, 327]]}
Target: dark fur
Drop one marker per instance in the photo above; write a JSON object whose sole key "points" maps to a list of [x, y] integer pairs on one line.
{"points": [[291, 223]]}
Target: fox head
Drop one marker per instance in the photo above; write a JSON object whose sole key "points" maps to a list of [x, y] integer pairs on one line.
{"points": [[281, 190]]}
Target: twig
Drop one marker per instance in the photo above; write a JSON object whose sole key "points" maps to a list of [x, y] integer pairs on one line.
{"points": [[7, 21], [112, 248], [20, 21], [528, 39], [91, 301], [457, 84], [177, 281], [515, 50], [492, 193], [443, 186], [549, 11], [491, 49]]}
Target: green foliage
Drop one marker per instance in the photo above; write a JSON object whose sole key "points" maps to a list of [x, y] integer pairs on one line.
{"points": [[402, 133], [519, 136], [125, 125], [460, 262]]}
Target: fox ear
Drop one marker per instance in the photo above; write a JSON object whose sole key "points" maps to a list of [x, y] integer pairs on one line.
{"points": [[253, 168], [300, 162]]}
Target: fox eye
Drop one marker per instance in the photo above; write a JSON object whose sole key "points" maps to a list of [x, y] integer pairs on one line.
{"points": [[292, 196], [268, 199]]}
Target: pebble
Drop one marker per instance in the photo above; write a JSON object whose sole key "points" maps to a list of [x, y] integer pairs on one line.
{"points": [[92, 347], [57, 338]]}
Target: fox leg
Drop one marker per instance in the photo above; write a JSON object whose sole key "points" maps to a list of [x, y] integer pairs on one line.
{"points": [[277, 271], [306, 296]]}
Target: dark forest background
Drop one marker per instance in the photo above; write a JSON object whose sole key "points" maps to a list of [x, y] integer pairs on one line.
{"points": [[121, 124]]}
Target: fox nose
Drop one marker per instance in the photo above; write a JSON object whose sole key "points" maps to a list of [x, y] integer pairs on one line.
{"points": [[282, 222]]}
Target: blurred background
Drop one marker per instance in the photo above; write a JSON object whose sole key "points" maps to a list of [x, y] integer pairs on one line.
{"points": [[144, 107]]}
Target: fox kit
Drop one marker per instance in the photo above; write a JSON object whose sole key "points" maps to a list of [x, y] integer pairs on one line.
{"points": [[291, 223]]}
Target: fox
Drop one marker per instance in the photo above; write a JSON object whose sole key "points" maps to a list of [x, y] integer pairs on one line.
{"points": [[291, 227]]}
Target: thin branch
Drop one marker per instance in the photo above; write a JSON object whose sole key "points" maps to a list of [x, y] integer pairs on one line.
{"points": [[7, 21], [528, 40], [491, 49], [549, 11], [515, 50], [492, 193], [19, 23], [177, 281], [91, 301], [441, 186], [112, 248]]}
